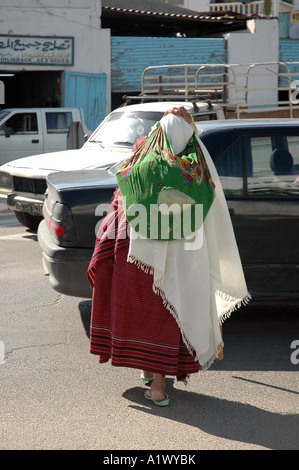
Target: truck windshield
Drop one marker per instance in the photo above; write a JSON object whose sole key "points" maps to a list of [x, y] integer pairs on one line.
{"points": [[125, 128], [3, 114]]}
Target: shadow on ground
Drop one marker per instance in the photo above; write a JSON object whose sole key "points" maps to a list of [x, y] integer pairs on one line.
{"points": [[256, 339], [223, 418]]}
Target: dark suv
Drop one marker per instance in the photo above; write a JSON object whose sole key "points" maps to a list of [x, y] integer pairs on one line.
{"points": [[258, 164]]}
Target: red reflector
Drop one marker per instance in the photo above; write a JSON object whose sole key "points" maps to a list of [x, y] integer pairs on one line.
{"points": [[57, 230]]}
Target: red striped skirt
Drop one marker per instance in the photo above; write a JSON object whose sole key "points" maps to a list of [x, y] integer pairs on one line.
{"points": [[130, 326]]}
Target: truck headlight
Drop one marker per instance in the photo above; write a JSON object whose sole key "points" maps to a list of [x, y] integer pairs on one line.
{"points": [[6, 180]]}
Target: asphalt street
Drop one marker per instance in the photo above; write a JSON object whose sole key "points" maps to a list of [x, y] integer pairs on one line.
{"points": [[54, 394]]}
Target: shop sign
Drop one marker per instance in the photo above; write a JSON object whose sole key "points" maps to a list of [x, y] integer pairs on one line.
{"points": [[295, 17], [36, 50], [294, 26]]}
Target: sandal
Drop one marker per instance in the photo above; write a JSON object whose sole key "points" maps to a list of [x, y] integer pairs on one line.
{"points": [[163, 402], [146, 379]]}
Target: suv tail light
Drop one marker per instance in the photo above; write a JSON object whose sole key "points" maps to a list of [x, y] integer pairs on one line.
{"points": [[60, 222]]}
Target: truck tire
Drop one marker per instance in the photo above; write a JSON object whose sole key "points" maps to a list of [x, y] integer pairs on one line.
{"points": [[28, 220]]}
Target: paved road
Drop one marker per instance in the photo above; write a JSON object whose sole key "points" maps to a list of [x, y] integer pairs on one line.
{"points": [[7, 218], [55, 395]]}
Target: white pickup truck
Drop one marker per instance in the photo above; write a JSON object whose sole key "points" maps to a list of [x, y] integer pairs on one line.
{"points": [[33, 131]]}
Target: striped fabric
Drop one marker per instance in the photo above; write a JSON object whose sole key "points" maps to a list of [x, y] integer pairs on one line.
{"points": [[129, 324]]}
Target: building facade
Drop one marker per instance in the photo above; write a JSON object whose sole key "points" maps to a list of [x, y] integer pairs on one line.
{"points": [[55, 53]]}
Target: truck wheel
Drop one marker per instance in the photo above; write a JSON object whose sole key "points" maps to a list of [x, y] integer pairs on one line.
{"points": [[28, 220]]}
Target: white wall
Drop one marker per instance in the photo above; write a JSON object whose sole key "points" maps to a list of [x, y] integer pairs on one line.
{"points": [[197, 5], [296, 5], [260, 43], [75, 18]]}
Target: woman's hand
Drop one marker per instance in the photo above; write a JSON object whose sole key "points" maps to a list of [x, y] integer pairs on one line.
{"points": [[180, 111]]}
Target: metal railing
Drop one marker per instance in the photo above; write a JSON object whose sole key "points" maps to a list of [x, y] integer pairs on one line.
{"points": [[252, 8], [239, 7], [238, 88]]}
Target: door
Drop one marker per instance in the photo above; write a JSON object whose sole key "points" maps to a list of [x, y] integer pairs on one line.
{"points": [[20, 136], [56, 125], [260, 178], [87, 91]]}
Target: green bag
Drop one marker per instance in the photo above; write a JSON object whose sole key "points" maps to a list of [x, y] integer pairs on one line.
{"points": [[165, 196]]}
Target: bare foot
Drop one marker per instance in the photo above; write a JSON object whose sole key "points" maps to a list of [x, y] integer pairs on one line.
{"points": [[158, 387]]}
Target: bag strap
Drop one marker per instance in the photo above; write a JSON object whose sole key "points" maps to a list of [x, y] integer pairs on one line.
{"points": [[157, 138]]}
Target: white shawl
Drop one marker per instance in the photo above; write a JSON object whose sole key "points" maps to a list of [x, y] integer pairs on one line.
{"points": [[201, 281]]}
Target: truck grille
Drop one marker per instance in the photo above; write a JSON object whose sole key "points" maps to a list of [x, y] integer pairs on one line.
{"points": [[29, 185]]}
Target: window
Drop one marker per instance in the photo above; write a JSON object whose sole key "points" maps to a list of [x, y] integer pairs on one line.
{"points": [[20, 123], [260, 165], [230, 169], [275, 165], [125, 128], [58, 122]]}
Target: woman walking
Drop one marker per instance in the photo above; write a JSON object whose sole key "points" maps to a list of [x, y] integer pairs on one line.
{"points": [[158, 304]]}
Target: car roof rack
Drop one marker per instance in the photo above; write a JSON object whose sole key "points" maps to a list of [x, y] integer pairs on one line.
{"points": [[240, 89]]}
